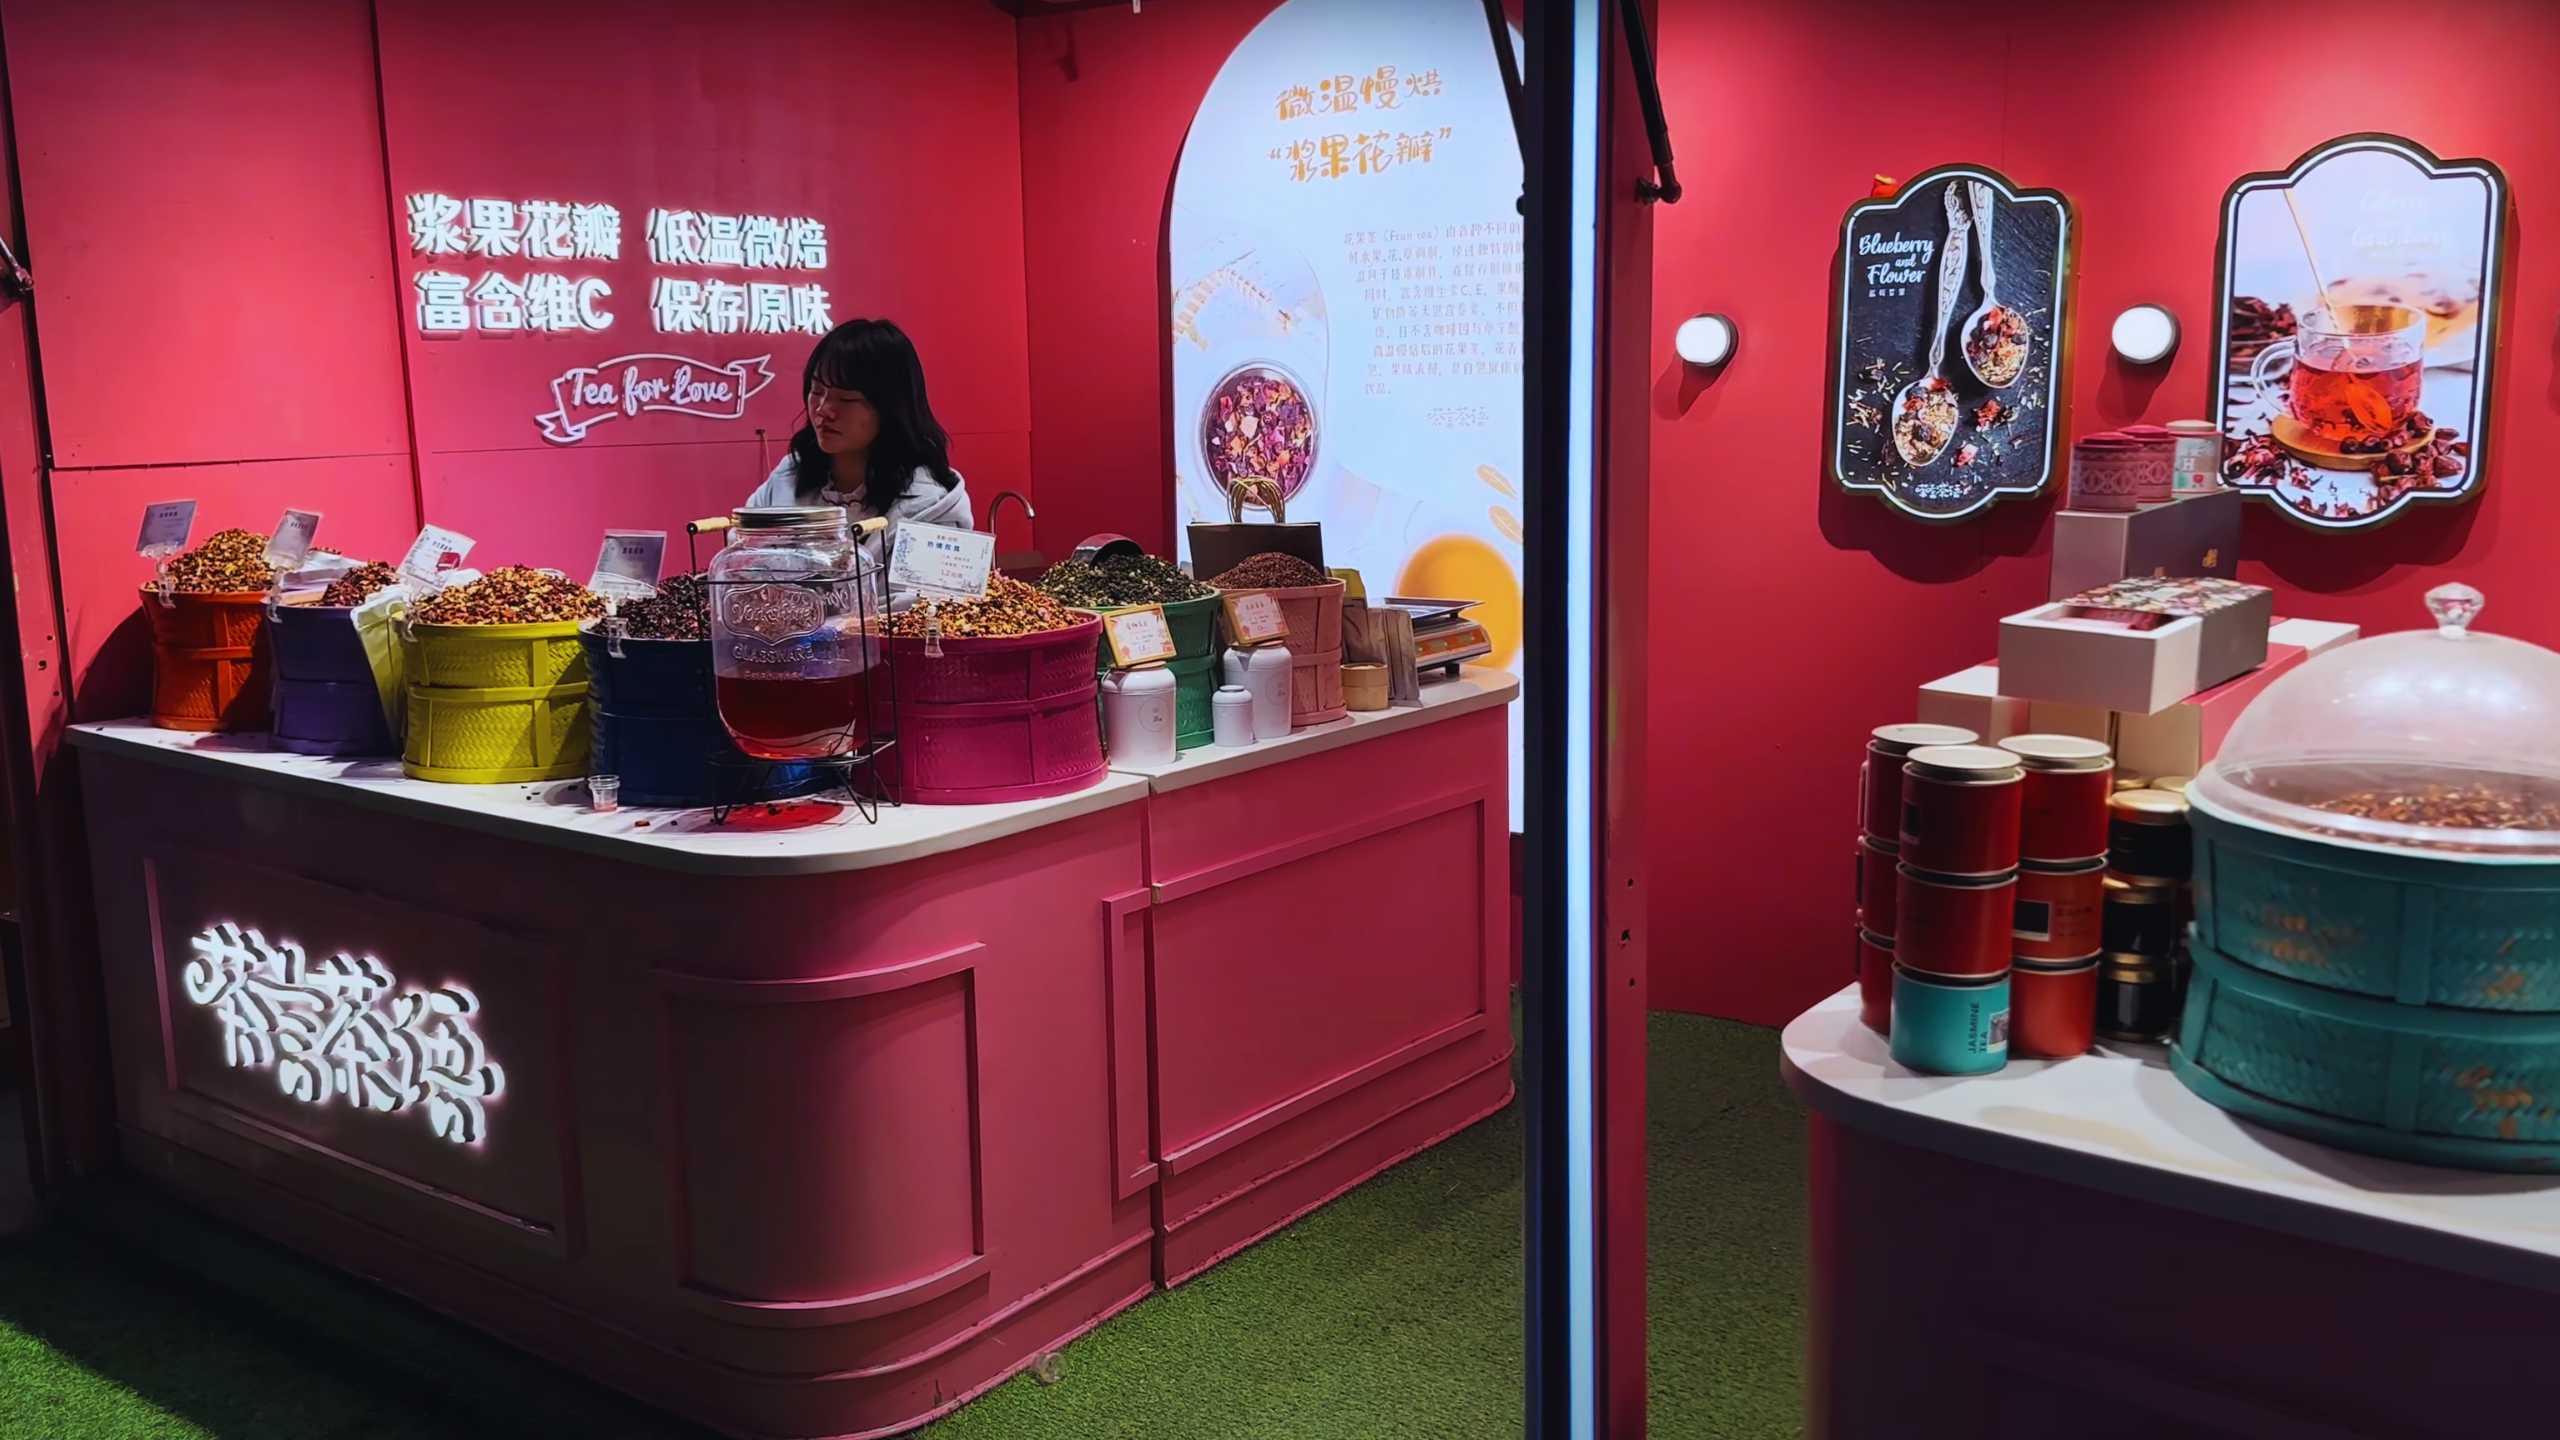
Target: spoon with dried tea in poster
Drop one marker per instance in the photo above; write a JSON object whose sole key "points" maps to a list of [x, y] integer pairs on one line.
{"points": [[1995, 335], [1925, 411]]}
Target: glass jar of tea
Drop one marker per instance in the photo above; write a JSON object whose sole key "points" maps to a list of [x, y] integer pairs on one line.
{"points": [[790, 658]]}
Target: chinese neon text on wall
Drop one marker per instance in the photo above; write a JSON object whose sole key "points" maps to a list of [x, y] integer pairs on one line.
{"points": [[338, 1030], [506, 301], [1364, 152]]}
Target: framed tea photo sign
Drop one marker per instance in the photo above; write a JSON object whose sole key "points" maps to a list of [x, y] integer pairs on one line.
{"points": [[1951, 302], [2358, 297]]}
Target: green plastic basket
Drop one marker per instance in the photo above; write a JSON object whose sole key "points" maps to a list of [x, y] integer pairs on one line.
{"points": [[2435, 1084], [1194, 624], [2418, 929]]}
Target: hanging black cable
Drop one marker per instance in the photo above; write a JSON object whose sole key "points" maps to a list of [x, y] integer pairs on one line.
{"points": [[1500, 29], [1665, 184]]}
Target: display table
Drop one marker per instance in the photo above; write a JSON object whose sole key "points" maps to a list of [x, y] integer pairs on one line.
{"points": [[2084, 1247], [799, 1125]]}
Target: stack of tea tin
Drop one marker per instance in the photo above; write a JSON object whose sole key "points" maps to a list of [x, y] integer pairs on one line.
{"points": [[1880, 852], [2057, 933], [2150, 857], [1979, 922]]}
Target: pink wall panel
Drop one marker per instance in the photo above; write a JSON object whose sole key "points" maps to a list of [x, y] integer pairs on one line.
{"points": [[203, 188], [365, 510], [895, 124]]}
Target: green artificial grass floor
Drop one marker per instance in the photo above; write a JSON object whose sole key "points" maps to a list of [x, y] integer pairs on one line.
{"points": [[1393, 1312]]}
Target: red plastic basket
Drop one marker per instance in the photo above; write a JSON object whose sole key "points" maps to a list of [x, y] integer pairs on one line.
{"points": [[209, 664], [1015, 717]]}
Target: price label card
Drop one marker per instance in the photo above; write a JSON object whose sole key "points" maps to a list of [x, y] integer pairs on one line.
{"points": [[627, 566], [1139, 636], [292, 540], [435, 551], [940, 561], [1254, 617], [165, 527]]}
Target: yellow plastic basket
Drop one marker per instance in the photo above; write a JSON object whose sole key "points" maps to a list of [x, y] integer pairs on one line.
{"points": [[495, 704]]}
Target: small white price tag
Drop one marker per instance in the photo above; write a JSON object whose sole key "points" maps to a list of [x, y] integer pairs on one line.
{"points": [[1138, 637], [940, 561], [1254, 617], [292, 540], [435, 552], [165, 527], [627, 566]]}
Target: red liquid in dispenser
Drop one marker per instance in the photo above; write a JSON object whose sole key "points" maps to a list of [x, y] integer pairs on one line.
{"points": [[795, 717]]}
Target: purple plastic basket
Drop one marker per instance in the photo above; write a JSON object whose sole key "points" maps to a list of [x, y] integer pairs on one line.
{"points": [[988, 720], [325, 699]]}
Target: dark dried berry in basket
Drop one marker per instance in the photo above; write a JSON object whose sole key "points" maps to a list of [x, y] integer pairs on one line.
{"points": [[1271, 570], [229, 562], [681, 610], [360, 584], [1010, 608], [1113, 580], [513, 595]]}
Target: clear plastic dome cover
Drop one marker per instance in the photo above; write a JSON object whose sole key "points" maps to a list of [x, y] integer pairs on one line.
{"points": [[2442, 739]]}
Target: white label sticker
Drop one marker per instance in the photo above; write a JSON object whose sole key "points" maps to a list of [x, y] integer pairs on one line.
{"points": [[940, 561], [435, 552], [165, 527], [292, 540], [627, 565], [1254, 617], [1999, 1030], [1139, 636]]}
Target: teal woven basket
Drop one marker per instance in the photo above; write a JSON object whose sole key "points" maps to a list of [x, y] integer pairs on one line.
{"points": [[2437, 1085], [2422, 931]]}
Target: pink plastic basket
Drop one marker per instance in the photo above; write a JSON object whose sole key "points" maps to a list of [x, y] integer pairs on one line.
{"points": [[988, 720], [1315, 651]]}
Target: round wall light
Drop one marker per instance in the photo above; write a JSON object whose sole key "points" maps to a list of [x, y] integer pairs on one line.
{"points": [[1706, 341], [2146, 334]]}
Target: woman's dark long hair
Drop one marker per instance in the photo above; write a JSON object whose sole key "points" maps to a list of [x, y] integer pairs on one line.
{"points": [[876, 358]]}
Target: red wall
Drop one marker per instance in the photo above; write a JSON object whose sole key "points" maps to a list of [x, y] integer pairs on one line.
{"points": [[1789, 619], [1107, 97], [212, 198]]}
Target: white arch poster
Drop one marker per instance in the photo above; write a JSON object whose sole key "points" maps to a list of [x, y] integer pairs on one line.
{"points": [[1346, 270]]}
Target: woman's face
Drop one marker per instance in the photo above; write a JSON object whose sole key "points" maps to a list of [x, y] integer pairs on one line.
{"points": [[843, 419]]}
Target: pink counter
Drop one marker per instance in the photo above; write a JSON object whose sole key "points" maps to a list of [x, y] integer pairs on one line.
{"points": [[801, 1129], [2084, 1247]]}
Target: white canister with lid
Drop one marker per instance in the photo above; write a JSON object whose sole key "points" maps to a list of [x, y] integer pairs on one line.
{"points": [[1231, 716], [2196, 463], [1137, 715], [1263, 670]]}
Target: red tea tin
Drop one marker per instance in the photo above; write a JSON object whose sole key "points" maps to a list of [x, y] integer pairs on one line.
{"points": [[1875, 981], [1954, 924], [1960, 809], [2059, 911], [1876, 862], [2053, 1007], [2062, 802], [1880, 777]]}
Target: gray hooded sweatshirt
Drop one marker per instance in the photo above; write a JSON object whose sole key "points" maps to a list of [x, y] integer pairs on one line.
{"points": [[925, 500]]}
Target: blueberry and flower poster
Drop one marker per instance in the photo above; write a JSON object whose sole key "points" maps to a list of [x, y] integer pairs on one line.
{"points": [[1345, 269], [1948, 362]]}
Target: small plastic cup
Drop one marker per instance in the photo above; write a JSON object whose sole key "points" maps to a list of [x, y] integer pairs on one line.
{"points": [[604, 793]]}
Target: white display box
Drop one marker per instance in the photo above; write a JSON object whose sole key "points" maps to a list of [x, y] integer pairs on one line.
{"points": [[2094, 722], [2195, 534], [1971, 698], [2048, 654], [2314, 636]]}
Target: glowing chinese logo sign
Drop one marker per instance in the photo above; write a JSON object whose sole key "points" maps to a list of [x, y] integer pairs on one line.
{"points": [[340, 1030], [512, 301]]}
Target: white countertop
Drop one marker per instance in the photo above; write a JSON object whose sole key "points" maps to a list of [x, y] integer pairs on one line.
{"points": [[556, 813], [1472, 689], [2117, 1120]]}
